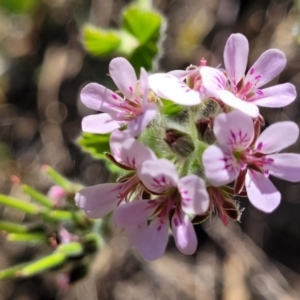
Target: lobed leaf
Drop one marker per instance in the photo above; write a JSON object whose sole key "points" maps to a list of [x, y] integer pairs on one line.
{"points": [[96, 145], [100, 42]]}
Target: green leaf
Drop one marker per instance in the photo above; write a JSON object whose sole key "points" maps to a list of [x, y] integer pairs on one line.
{"points": [[37, 196], [26, 207], [146, 26], [100, 42], [142, 24], [170, 108], [128, 43], [27, 237], [96, 145], [60, 180], [12, 227], [49, 262], [144, 4]]}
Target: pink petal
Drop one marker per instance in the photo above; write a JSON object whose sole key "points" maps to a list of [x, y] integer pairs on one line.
{"points": [[100, 123], [184, 233], [194, 197], [123, 74], [98, 200], [100, 98], [275, 96], [261, 192], [144, 84], [134, 213], [219, 165], [154, 241], [138, 125], [213, 81], [158, 175], [230, 99], [134, 153], [277, 137], [169, 87], [268, 65], [234, 129], [116, 142], [236, 56], [182, 74], [58, 195], [285, 166]]}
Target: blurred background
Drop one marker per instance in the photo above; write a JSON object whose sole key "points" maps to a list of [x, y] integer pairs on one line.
{"points": [[43, 66]]}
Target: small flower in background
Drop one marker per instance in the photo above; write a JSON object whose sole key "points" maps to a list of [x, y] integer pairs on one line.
{"points": [[58, 195], [63, 281], [243, 92], [236, 156], [134, 109], [176, 198], [65, 237]]}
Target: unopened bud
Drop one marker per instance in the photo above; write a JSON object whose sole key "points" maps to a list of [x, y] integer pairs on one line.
{"points": [[209, 108], [179, 142], [205, 131], [203, 62], [58, 195]]}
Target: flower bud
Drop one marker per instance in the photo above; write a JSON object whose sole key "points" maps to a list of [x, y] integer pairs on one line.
{"points": [[179, 142], [205, 131], [58, 195]]}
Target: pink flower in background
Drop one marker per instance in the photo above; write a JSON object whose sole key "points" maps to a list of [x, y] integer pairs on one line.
{"points": [[65, 237], [99, 200], [237, 155], [243, 92], [176, 198], [133, 109], [58, 195]]}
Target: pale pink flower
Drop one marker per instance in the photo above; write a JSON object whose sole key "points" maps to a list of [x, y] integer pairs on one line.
{"points": [[170, 87], [58, 195], [65, 237], [99, 200], [176, 199], [238, 155], [243, 92], [132, 109]]}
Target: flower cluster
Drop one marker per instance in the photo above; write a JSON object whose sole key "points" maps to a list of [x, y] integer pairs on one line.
{"points": [[189, 143]]}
